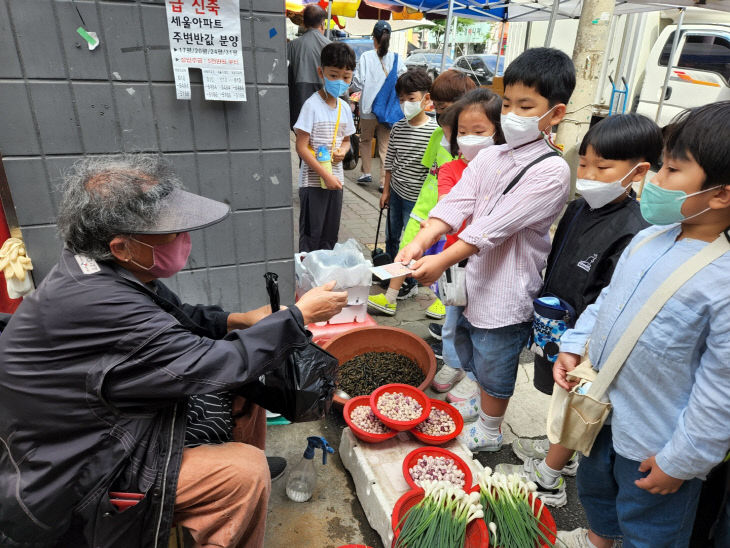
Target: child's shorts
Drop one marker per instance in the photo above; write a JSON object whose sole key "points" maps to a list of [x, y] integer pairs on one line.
{"points": [[492, 355], [617, 508]]}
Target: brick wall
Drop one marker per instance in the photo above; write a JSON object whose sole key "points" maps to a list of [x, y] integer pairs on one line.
{"points": [[60, 101]]}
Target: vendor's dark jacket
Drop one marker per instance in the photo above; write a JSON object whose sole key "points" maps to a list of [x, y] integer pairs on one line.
{"points": [[591, 247], [95, 374]]}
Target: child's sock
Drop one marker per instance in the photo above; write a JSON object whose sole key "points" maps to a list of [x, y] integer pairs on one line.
{"points": [[490, 425], [391, 295], [550, 476]]}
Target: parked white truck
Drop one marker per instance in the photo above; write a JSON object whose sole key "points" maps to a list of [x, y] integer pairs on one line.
{"points": [[635, 63]]}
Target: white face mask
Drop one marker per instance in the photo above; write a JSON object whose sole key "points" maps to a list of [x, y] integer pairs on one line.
{"points": [[445, 143], [411, 109], [598, 194], [470, 145], [519, 130]]}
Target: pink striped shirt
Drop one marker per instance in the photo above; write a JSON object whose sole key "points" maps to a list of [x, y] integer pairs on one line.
{"points": [[513, 238]]}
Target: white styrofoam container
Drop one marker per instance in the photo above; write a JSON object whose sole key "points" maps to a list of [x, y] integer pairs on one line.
{"points": [[377, 470]]}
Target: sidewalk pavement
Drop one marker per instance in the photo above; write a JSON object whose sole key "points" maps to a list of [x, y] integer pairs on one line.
{"points": [[334, 517]]}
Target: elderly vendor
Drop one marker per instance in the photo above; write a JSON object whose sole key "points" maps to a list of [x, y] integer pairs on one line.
{"points": [[99, 366]]}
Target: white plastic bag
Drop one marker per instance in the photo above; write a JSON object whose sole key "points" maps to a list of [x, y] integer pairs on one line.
{"points": [[345, 264]]}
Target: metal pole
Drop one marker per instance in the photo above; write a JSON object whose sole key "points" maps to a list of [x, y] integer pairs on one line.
{"points": [[604, 69], [499, 47], [329, 19], [446, 35], [551, 23], [670, 64]]}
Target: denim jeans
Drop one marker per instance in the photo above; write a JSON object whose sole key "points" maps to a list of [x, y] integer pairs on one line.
{"points": [[617, 508], [492, 355], [399, 211]]}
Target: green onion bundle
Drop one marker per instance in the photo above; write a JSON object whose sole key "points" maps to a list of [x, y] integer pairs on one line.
{"points": [[440, 519], [508, 511]]}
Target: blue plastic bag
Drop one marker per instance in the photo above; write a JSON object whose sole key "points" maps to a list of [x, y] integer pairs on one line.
{"points": [[386, 105]]}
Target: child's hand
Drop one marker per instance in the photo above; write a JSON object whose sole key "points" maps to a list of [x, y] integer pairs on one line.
{"points": [[564, 364], [332, 182], [428, 269], [657, 482], [385, 198], [338, 156], [410, 252]]}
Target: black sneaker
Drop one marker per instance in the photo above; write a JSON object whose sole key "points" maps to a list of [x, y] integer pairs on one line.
{"points": [[408, 289], [437, 350], [277, 467], [434, 329]]}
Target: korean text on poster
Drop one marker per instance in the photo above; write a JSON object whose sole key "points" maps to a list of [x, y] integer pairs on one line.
{"points": [[206, 34]]}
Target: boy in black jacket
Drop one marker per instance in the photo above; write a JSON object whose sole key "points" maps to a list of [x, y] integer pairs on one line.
{"points": [[595, 229]]}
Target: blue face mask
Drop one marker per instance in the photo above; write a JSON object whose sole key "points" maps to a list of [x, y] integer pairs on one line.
{"points": [[660, 206], [335, 87]]}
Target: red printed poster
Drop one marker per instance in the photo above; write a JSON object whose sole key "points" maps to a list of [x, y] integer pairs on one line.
{"points": [[206, 34]]}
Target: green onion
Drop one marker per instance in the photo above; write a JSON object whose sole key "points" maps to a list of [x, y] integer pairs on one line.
{"points": [[440, 519], [508, 512]]}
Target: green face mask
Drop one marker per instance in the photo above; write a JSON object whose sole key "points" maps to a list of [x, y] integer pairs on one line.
{"points": [[660, 206]]}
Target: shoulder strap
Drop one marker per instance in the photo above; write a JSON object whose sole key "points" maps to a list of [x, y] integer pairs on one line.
{"points": [[519, 176], [651, 308], [337, 126], [648, 239]]}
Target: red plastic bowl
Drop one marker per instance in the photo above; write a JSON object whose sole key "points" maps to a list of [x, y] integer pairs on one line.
{"points": [[547, 522], [455, 416], [406, 390], [412, 458], [477, 534], [351, 404]]}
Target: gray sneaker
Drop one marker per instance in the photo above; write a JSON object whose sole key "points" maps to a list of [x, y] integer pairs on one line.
{"points": [[528, 448], [552, 495], [577, 538]]}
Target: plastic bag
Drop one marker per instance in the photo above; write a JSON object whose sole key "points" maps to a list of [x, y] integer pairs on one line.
{"points": [[345, 264], [301, 390]]}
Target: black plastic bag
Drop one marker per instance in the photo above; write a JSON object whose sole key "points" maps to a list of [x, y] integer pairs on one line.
{"points": [[301, 390]]}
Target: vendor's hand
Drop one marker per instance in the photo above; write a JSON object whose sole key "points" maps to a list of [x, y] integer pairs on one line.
{"points": [[564, 364], [321, 303], [385, 198], [338, 156], [657, 482], [410, 252], [428, 269], [332, 182]]}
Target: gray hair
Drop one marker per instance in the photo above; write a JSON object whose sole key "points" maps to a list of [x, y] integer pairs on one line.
{"points": [[105, 196]]}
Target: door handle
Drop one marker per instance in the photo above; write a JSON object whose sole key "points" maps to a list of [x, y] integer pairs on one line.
{"points": [[668, 93]]}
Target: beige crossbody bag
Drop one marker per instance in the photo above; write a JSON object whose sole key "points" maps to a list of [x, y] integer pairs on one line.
{"points": [[574, 418]]}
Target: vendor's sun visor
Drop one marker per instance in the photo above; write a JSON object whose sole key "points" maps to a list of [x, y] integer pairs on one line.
{"points": [[184, 211]]}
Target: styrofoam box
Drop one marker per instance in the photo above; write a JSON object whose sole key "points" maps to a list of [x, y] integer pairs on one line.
{"points": [[377, 470]]}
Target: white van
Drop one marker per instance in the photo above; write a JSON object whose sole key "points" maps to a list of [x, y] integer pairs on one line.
{"points": [[700, 73]]}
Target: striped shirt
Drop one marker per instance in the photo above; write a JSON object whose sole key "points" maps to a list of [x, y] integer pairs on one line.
{"points": [[406, 148], [511, 231]]}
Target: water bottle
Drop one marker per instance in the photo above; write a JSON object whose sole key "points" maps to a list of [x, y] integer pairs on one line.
{"points": [[324, 157], [303, 477]]}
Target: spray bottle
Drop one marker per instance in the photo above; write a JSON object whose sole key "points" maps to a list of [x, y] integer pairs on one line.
{"points": [[303, 477]]}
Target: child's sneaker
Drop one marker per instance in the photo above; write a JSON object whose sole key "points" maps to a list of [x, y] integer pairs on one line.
{"points": [[550, 494], [466, 389], [437, 310], [577, 538], [438, 350], [434, 329], [476, 439], [527, 448], [381, 304], [408, 289], [468, 409], [446, 378]]}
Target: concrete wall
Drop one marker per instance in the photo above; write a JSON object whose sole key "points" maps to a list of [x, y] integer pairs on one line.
{"points": [[60, 101]]}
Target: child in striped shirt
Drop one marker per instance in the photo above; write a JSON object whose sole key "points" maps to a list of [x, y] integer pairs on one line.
{"points": [[404, 172]]}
